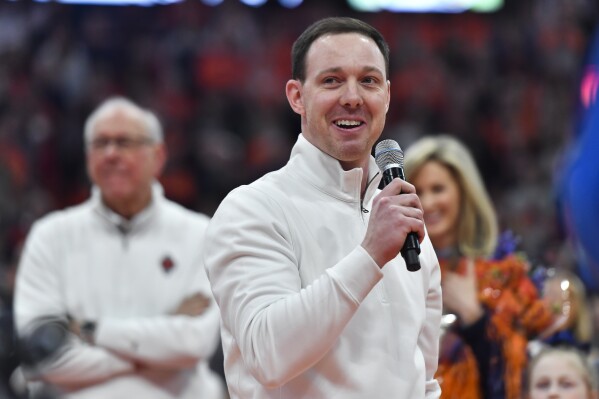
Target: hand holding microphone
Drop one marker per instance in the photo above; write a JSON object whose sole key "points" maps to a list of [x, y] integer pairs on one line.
{"points": [[396, 220]]}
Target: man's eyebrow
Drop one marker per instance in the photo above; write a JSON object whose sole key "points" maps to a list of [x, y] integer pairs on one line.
{"points": [[338, 69]]}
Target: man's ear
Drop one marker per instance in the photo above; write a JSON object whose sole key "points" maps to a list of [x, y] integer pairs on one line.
{"points": [[293, 90], [388, 96]]}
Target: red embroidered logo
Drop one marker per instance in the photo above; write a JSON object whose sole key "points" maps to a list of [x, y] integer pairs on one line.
{"points": [[167, 264]]}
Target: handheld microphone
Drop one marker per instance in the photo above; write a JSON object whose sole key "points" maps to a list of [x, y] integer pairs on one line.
{"points": [[389, 158]]}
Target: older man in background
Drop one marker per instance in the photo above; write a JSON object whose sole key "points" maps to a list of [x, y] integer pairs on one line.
{"points": [[111, 297]]}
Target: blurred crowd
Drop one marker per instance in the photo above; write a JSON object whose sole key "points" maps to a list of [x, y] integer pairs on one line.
{"points": [[504, 83]]}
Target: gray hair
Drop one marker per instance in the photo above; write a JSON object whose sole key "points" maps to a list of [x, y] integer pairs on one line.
{"points": [[111, 105]]}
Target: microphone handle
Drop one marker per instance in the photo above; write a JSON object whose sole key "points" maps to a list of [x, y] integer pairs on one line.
{"points": [[411, 247]]}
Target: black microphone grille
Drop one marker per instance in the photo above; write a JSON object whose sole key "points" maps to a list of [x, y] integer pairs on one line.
{"points": [[388, 152]]}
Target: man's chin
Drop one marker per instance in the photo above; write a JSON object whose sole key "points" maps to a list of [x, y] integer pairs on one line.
{"points": [[353, 153], [116, 195]]}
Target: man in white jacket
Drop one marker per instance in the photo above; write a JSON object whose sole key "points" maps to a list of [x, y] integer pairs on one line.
{"points": [[112, 300], [315, 300]]}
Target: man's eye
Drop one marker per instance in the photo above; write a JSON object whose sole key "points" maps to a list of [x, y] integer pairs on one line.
{"points": [[124, 143], [100, 143]]}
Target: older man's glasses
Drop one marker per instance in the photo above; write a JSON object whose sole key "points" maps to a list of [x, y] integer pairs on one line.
{"points": [[119, 143]]}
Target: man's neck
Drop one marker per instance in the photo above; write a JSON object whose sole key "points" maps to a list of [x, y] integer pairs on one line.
{"points": [[128, 209]]}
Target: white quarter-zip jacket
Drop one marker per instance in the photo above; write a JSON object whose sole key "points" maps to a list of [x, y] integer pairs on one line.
{"points": [[306, 312], [128, 277]]}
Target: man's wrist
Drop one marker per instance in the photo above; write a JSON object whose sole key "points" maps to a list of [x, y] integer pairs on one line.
{"points": [[88, 332]]}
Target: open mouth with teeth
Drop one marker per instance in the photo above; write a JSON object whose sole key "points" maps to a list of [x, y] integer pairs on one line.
{"points": [[347, 124]]}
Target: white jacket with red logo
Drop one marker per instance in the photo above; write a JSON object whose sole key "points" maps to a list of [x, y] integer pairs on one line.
{"points": [[128, 277]]}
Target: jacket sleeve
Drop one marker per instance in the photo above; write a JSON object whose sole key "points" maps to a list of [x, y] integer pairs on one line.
{"points": [[176, 341], [38, 297], [167, 341], [429, 337], [254, 274], [162, 342]]}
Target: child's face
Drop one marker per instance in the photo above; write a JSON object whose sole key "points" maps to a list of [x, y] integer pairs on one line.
{"points": [[558, 376]]}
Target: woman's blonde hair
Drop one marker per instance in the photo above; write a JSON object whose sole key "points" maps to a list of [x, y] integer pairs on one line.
{"points": [[477, 225]]}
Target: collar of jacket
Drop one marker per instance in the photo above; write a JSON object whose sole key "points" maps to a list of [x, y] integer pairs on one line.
{"points": [[140, 220], [309, 163]]}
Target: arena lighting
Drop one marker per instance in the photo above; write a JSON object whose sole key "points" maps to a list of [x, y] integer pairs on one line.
{"points": [[144, 3], [589, 86], [440, 6], [290, 3], [254, 3], [212, 3]]}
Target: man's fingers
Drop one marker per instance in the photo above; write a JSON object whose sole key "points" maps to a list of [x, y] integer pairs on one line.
{"points": [[396, 187]]}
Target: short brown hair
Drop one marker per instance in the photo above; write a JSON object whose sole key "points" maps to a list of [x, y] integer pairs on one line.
{"points": [[332, 26]]}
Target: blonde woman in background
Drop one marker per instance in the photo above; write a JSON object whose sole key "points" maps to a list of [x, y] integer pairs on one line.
{"points": [[485, 284]]}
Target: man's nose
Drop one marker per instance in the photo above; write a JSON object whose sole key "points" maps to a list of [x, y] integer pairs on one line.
{"points": [[352, 96], [111, 148]]}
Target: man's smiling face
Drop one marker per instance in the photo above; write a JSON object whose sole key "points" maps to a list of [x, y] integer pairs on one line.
{"points": [[344, 99]]}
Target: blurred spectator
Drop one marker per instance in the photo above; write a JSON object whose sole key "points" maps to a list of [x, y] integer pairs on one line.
{"points": [[566, 296], [561, 372], [485, 284], [111, 297]]}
